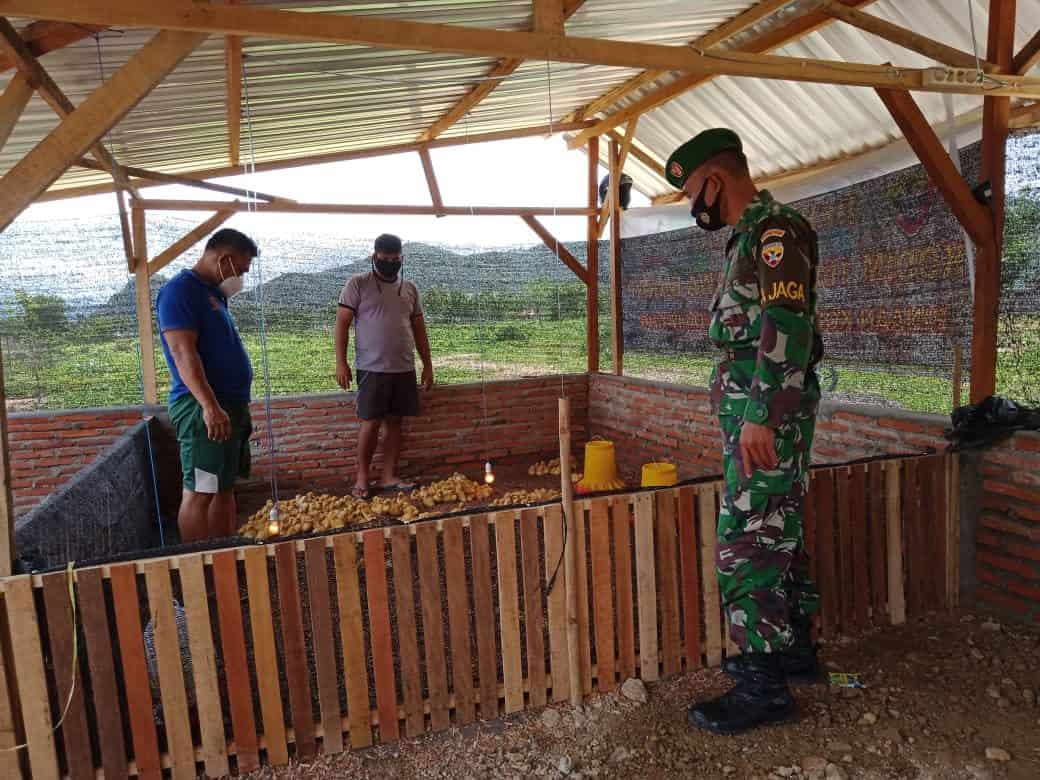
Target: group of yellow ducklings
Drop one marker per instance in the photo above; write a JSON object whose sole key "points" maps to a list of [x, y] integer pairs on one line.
{"points": [[315, 512]]}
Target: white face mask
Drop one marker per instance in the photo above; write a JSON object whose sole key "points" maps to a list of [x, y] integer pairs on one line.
{"points": [[231, 286]]}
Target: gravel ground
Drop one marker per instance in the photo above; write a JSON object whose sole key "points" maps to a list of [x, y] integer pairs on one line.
{"points": [[952, 696]]}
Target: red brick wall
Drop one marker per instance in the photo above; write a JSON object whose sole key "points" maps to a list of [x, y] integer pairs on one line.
{"points": [[653, 420], [49, 448], [1007, 561], [316, 435]]}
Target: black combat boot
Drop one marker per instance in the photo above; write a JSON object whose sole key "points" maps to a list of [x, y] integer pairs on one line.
{"points": [[799, 661], [760, 696]]}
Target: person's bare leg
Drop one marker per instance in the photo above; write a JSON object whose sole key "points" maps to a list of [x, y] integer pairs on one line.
{"points": [[391, 451], [368, 436], [193, 517], [221, 516]]}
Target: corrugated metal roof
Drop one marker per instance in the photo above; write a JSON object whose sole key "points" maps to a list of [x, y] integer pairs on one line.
{"points": [[311, 98]]}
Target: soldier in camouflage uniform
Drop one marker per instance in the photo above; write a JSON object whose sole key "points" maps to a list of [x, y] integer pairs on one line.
{"points": [[765, 391]]}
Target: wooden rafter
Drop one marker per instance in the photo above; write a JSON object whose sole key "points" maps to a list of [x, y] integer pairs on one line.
{"points": [[995, 118], [187, 241], [547, 16], [44, 37], [974, 218], [792, 31], [156, 177], [901, 36], [625, 145], [431, 178], [350, 208], [714, 37], [233, 77], [88, 123], [321, 159], [1028, 56], [556, 247], [423, 36], [12, 103], [487, 85], [639, 153]]}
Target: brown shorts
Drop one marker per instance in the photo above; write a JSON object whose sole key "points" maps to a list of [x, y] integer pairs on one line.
{"points": [[382, 395]]}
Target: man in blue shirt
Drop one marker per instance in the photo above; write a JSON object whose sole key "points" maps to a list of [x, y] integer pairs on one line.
{"points": [[212, 378]]}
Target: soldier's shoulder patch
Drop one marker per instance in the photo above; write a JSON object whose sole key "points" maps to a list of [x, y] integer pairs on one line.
{"points": [[773, 253]]}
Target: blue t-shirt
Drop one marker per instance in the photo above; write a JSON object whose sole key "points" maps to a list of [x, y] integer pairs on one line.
{"points": [[188, 303]]}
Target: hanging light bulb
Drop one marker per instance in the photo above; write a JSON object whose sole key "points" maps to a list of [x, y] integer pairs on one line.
{"points": [[273, 524], [489, 475]]}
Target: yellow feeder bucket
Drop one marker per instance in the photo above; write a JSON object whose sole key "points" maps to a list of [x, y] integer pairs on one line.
{"points": [[600, 468], [659, 475]]}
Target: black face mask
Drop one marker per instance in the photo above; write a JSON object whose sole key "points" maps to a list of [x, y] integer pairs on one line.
{"points": [[708, 217], [388, 269]]}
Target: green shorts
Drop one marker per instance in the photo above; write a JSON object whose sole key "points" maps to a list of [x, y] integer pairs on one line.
{"points": [[211, 466]]}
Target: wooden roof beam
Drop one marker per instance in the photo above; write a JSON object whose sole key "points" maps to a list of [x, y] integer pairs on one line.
{"points": [[792, 31], [44, 37], [187, 241], [556, 247], [486, 86], [89, 122], [423, 36], [351, 208], [901, 36], [12, 104], [624, 147], [316, 159], [1028, 56], [431, 178], [728, 29]]}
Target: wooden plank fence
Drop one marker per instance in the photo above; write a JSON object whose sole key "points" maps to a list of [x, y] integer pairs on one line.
{"points": [[341, 641]]}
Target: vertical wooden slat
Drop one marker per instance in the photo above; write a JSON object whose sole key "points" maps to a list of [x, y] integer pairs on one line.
{"points": [[940, 534], [894, 534], [27, 654], [668, 581], [809, 535], [602, 592], [352, 632], [97, 638], [922, 527], [509, 611], [125, 599], [552, 525], [458, 622], [484, 615], [953, 533], [860, 537], [582, 583], [9, 756], [379, 626], [826, 551], [265, 655], [203, 665], [236, 664], [621, 518], [843, 489], [911, 535], [180, 746], [691, 591], [433, 625], [297, 675], [646, 586], [709, 581], [534, 612], [324, 644], [407, 633], [74, 731], [878, 553]]}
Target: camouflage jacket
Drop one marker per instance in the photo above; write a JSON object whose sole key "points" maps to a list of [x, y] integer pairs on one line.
{"points": [[764, 316]]}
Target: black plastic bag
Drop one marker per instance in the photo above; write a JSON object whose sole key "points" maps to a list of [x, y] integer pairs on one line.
{"points": [[985, 423]]}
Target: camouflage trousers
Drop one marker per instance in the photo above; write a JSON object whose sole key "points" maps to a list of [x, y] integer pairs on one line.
{"points": [[761, 559]]}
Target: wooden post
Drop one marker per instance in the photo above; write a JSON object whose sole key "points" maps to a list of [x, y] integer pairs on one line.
{"points": [[592, 261], [143, 299], [7, 549], [894, 527], [617, 333], [995, 118], [953, 532], [571, 573]]}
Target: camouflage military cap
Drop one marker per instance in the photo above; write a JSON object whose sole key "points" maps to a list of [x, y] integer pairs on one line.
{"points": [[697, 151]]}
